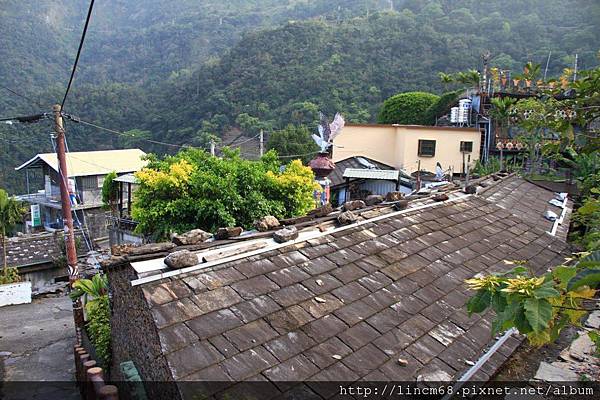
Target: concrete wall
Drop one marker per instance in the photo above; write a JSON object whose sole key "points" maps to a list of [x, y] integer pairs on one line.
{"points": [[397, 145]]}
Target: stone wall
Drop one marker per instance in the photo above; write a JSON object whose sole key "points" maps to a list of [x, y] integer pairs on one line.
{"points": [[134, 335]]}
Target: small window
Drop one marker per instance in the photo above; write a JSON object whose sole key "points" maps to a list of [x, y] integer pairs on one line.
{"points": [[100, 181], [89, 182], [426, 148], [466, 147]]}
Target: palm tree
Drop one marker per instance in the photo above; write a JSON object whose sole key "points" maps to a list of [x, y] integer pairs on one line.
{"points": [[11, 212], [531, 72], [500, 111], [446, 80], [470, 77]]}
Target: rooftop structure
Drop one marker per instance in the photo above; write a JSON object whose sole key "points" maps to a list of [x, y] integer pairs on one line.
{"points": [[336, 304], [408, 147], [87, 163]]}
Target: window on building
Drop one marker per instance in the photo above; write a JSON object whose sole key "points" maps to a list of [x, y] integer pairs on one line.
{"points": [[101, 180], [426, 148], [466, 147], [89, 182]]}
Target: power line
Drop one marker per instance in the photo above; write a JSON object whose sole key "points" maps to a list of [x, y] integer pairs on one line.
{"points": [[85, 27], [79, 120], [26, 119], [21, 95]]}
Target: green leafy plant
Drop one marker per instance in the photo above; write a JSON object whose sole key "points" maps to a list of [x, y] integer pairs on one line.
{"points": [[195, 190], [110, 191], [10, 275], [95, 295], [11, 212], [538, 306]]}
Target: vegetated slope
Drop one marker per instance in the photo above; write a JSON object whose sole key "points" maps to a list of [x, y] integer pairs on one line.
{"points": [[281, 75]]}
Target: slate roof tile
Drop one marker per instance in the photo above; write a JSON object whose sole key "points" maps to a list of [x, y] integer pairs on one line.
{"points": [[175, 337], [216, 299], [223, 345], [324, 328], [393, 341], [256, 286], [289, 318], [249, 363], [318, 266], [289, 345], [288, 276], [425, 349], [192, 358], [291, 295], [322, 354], [398, 373], [355, 312], [358, 335], [365, 360], [251, 334], [174, 312], [319, 308], [289, 259], [256, 308], [348, 273], [323, 283], [222, 277], [298, 368], [213, 323]]}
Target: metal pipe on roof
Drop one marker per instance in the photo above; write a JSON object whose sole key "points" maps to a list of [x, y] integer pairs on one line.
{"points": [[482, 360]]}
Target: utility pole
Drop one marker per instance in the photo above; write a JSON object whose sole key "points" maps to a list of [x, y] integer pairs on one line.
{"points": [[418, 183], [575, 70], [212, 147], [262, 143], [66, 211]]}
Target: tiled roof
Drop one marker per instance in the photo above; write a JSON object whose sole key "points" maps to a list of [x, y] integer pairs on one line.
{"points": [[346, 306], [527, 201]]}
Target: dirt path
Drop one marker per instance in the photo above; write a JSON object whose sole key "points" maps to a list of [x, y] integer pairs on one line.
{"points": [[36, 350]]}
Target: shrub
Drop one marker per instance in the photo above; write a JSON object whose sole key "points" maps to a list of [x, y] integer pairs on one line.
{"points": [[407, 108], [195, 190]]}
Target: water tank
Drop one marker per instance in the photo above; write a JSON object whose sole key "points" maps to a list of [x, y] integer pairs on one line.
{"points": [[454, 115]]}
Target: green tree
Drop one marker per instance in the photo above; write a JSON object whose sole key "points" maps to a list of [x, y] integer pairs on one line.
{"points": [[293, 140], [445, 79], [471, 78], [407, 108], [500, 113], [195, 190], [11, 212], [110, 191]]}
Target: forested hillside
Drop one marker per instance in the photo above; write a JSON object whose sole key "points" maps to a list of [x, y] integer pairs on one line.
{"points": [[178, 71]]}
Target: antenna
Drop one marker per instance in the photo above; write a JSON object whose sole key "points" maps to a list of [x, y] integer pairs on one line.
{"points": [[547, 63]]}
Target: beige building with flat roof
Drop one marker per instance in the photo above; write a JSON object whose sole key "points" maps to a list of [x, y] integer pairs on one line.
{"points": [[403, 146]]}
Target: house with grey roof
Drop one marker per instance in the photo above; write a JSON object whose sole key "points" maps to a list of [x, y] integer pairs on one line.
{"points": [[380, 299]]}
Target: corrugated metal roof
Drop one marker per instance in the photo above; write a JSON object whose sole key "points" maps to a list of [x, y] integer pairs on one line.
{"points": [[336, 176], [127, 178], [371, 174], [86, 163]]}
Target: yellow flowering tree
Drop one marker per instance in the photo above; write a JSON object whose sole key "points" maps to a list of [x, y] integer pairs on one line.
{"points": [[195, 190], [538, 306]]}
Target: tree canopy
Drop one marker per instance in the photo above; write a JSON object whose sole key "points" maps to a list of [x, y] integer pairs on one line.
{"points": [[193, 189], [407, 108]]}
